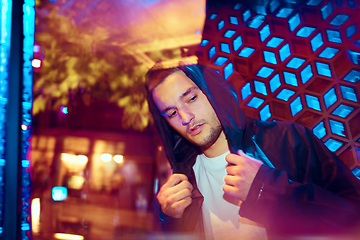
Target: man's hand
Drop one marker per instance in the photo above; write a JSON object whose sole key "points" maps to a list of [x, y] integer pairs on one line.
{"points": [[175, 195], [241, 173]]}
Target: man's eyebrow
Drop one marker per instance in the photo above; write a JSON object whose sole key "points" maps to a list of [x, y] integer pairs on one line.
{"points": [[187, 92]]}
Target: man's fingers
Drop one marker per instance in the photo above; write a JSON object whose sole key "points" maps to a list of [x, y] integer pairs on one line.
{"points": [[177, 196], [175, 179], [231, 190], [231, 180], [179, 207]]}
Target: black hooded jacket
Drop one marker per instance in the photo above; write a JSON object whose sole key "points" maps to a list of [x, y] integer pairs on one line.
{"points": [[302, 188]]}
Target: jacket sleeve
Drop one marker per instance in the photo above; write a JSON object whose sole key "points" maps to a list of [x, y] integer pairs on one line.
{"points": [[310, 193]]}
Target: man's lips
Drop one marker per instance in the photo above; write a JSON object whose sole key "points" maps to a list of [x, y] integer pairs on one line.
{"points": [[196, 129]]}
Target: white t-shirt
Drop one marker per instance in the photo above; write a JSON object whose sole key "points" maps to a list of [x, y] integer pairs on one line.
{"points": [[221, 211]]}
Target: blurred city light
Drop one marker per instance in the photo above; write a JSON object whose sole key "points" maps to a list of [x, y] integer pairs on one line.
{"points": [[82, 159], [36, 48], [64, 110], [66, 236], [36, 63], [119, 158], [35, 215], [76, 182], [59, 193], [24, 127], [74, 163], [105, 157]]}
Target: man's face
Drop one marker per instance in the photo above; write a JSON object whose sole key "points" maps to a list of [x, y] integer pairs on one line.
{"points": [[187, 110]]}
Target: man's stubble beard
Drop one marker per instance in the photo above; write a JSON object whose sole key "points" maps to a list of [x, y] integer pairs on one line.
{"points": [[211, 138]]}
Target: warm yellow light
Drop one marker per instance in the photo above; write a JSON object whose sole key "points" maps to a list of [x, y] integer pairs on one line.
{"points": [[65, 236], [23, 127], [105, 157], [119, 158], [82, 159], [36, 63], [76, 182], [73, 162], [65, 156], [72, 158], [35, 215]]}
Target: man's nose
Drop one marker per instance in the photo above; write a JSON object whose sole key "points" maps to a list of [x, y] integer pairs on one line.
{"points": [[186, 117]]}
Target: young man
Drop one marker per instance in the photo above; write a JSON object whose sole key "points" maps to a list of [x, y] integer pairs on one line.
{"points": [[237, 177]]}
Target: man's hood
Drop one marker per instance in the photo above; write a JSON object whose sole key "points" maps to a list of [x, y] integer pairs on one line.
{"points": [[223, 97]]}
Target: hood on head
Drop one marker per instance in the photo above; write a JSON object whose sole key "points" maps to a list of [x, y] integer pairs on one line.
{"points": [[223, 98]]}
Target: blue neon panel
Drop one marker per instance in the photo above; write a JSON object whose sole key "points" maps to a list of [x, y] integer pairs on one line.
{"points": [[270, 57], [284, 12], [339, 20], [313, 2], [204, 42], [265, 113], [238, 6], [220, 61], [326, 10], [313, 102], [274, 42], [234, 20], [274, 5], [343, 111], [333, 145], [354, 56], [221, 24], [290, 78], [319, 130], [229, 33], [228, 70], [337, 128], [264, 32], [265, 72], [296, 106], [356, 171], [329, 52], [284, 52], [237, 43], [330, 98], [306, 74], [294, 22], [260, 87], [352, 76], [348, 93], [275, 83], [295, 63], [246, 15], [323, 69], [256, 21], [225, 47], [350, 31], [357, 43], [305, 31], [316, 42], [246, 52], [255, 102], [213, 16], [285, 94], [351, 3], [212, 52], [333, 36], [246, 91]]}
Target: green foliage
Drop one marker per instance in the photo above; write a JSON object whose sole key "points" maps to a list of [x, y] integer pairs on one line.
{"points": [[77, 59]]}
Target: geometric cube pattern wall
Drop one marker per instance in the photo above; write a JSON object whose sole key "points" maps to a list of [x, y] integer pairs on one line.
{"points": [[298, 63]]}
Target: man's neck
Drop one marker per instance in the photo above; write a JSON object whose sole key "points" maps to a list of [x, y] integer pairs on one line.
{"points": [[219, 147]]}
